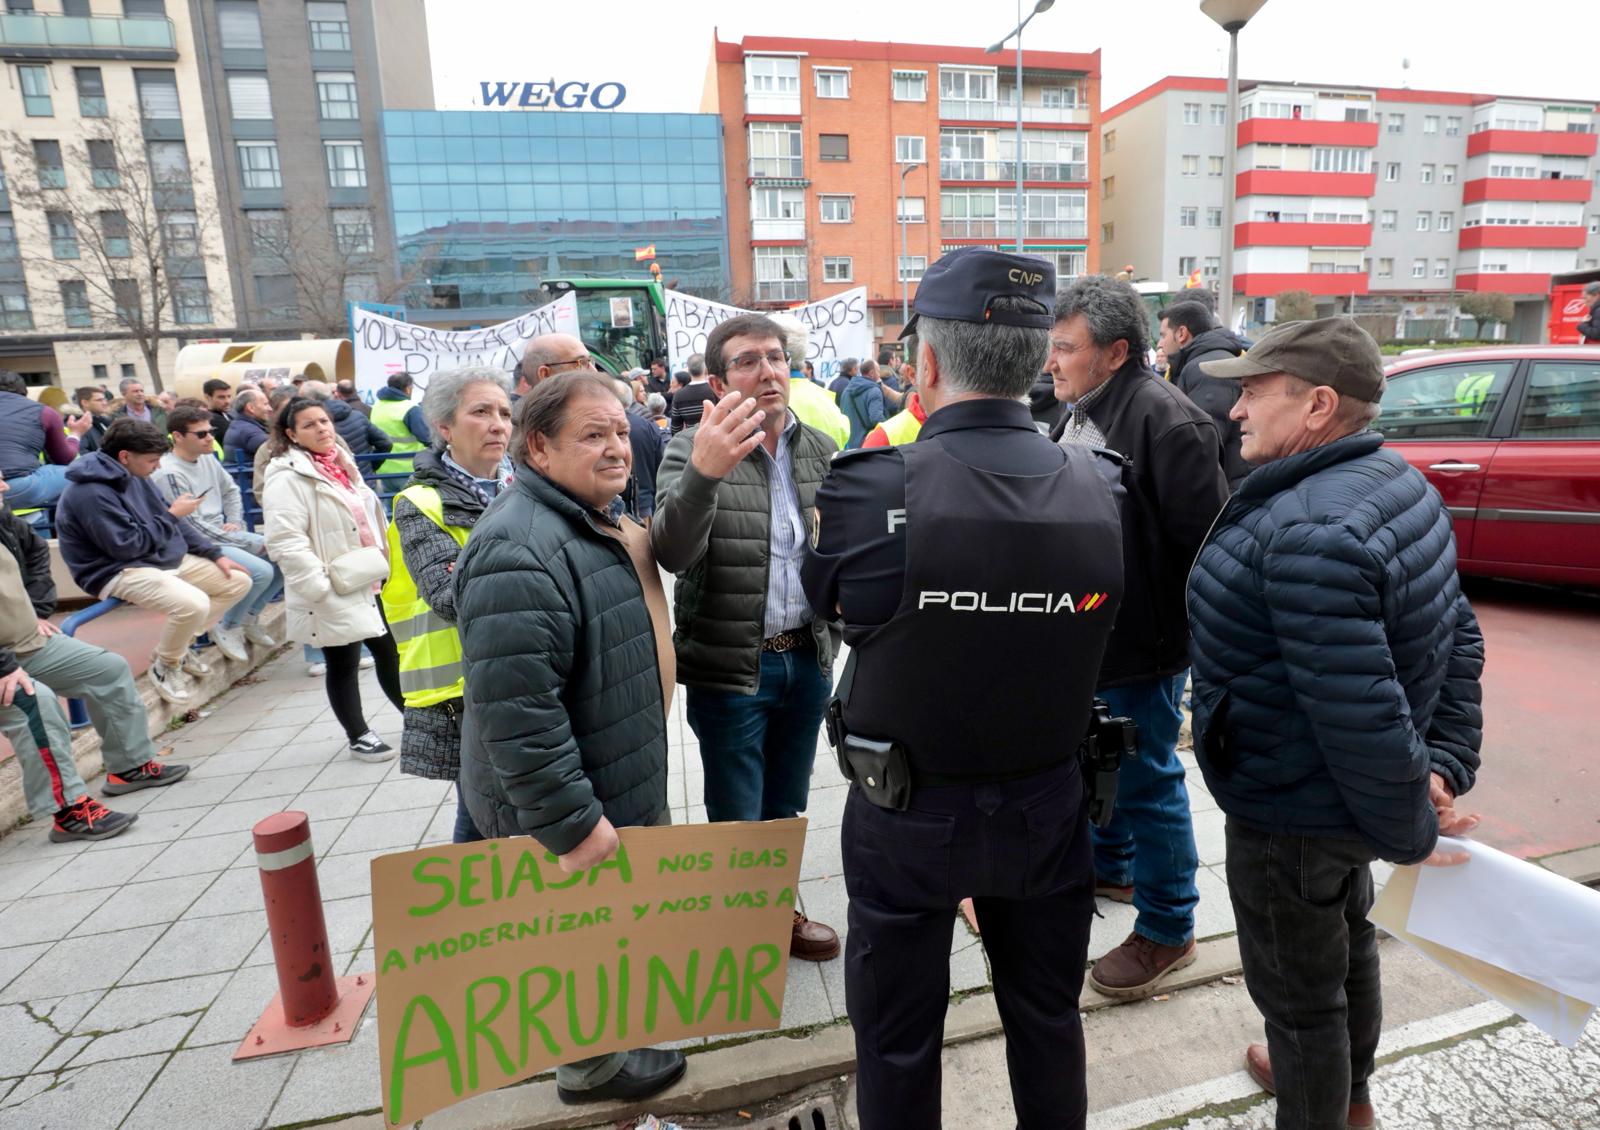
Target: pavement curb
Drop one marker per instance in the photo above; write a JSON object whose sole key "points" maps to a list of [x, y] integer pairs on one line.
{"points": [[753, 1071], [1581, 865], [86, 742]]}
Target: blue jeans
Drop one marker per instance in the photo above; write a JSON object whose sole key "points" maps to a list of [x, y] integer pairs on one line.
{"points": [[758, 749], [37, 488], [1150, 840], [266, 582], [466, 832]]}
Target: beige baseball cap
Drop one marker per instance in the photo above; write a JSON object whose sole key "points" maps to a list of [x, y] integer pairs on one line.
{"points": [[1329, 351]]}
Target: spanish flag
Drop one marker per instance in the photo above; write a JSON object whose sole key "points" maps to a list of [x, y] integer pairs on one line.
{"points": [[1194, 281], [640, 254]]}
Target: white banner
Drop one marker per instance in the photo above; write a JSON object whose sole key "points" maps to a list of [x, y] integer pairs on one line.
{"points": [[384, 346], [840, 327]]}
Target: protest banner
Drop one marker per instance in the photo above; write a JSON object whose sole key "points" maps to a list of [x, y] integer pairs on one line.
{"points": [[840, 327], [494, 964], [384, 346]]}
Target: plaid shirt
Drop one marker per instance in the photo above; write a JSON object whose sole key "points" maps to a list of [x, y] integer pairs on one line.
{"points": [[1081, 429]]}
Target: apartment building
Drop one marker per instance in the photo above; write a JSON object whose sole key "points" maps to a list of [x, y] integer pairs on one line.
{"points": [[824, 139], [1376, 201], [188, 169]]}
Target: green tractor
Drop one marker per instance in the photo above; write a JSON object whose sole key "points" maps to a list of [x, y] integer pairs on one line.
{"points": [[623, 322]]}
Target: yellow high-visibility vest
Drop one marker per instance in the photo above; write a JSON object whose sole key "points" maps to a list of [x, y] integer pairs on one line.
{"points": [[902, 427], [430, 647], [390, 418]]}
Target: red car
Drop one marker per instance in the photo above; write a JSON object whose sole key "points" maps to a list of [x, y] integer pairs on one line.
{"points": [[1510, 436]]}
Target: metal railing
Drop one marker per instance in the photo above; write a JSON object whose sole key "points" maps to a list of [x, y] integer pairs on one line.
{"points": [[955, 168], [999, 228], [1005, 110], [31, 29]]}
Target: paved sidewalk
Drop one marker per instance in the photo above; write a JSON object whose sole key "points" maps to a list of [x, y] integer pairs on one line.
{"points": [[130, 970]]}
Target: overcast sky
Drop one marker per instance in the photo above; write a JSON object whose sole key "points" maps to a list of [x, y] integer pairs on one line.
{"points": [[659, 48]]}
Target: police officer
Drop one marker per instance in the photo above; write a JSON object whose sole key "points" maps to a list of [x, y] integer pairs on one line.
{"points": [[977, 574]]}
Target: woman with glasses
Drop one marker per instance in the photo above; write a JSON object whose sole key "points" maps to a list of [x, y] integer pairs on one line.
{"points": [[326, 529]]}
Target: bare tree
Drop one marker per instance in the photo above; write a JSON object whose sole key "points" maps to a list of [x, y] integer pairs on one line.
{"points": [[130, 240]]}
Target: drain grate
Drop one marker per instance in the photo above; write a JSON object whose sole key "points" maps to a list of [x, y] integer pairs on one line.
{"points": [[817, 1112]]}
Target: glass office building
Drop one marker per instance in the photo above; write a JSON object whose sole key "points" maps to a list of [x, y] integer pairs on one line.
{"points": [[488, 204]]}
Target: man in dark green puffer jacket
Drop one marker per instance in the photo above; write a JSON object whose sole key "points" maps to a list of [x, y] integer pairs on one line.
{"points": [[565, 736], [734, 506]]}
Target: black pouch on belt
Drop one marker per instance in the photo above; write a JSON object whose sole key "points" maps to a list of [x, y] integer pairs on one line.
{"points": [[881, 771]]}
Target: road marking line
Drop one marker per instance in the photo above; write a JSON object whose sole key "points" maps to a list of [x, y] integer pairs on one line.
{"points": [[1239, 1085]]}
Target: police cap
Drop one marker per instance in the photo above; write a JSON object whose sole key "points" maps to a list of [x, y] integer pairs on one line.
{"points": [[963, 285]]}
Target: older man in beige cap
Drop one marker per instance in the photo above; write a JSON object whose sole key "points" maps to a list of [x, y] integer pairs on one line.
{"points": [[1337, 708]]}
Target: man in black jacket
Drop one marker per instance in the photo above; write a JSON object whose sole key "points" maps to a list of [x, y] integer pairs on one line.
{"points": [[1589, 328], [1337, 701], [1146, 855], [1189, 337]]}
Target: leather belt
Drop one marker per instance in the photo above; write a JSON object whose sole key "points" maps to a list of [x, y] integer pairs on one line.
{"points": [[788, 641]]}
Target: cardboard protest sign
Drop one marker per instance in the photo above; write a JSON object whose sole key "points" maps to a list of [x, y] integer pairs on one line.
{"points": [[494, 964], [384, 346], [840, 327]]}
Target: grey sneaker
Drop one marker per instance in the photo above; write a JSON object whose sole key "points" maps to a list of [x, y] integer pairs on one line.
{"points": [[230, 641], [256, 634], [194, 664], [171, 683]]}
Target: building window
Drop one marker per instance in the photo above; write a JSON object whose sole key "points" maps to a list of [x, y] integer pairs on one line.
{"points": [[1391, 171], [1328, 159], [361, 288], [14, 311], [239, 23], [35, 83], [1388, 219], [1452, 127], [1108, 141], [10, 251], [336, 95], [75, 303], [276, 296], [832, 83], [1424, 221], [836, 209], [258, 164], [1108, 187], [114, 231], [1447, 175], [1213, 217], [1213, 166], [780, 213], [1191, 164], [1447, 221], [268, 231], [769, 74], [47, 162], [911, 209], [1430, 123], [91, 92], [912, 267], [169, 164], [1427, 174], [1108, 232], [128, 369], [1386, 268], [837, 268], [775, 149], [103, 164], [347, 164], [132, 9], [833, 147], [1212, 267], [63, 235], [127, 301], [1394, 123], [910, 150], [191, 301], [1441, 268], [158, 95], [780, 273], [1188, 216], [180, 234], [1191, 113], [1187, 265], [1419, 268], [249, 96], [1219, 114], [352, 231], [330, 25], [910, 86]]}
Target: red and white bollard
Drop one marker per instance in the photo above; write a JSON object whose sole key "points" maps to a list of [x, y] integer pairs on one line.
{"points": [[312, 1006]]}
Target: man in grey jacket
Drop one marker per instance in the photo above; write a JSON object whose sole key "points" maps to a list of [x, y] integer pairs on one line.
{"points": [[734, 508]]}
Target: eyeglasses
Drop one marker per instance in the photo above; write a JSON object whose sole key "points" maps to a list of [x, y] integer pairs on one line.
{"points": [[749, 362], [585, 360]]}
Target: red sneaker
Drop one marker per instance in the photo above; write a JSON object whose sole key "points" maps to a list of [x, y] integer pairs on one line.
{"points": [[150, 775], [88, 819]]}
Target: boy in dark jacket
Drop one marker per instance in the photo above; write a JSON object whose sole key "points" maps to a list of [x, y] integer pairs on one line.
{"points": [[120, 539], [1337, 701], [38, 662]]}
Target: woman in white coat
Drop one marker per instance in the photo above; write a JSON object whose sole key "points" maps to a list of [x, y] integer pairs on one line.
{"points": [[326, 530]]}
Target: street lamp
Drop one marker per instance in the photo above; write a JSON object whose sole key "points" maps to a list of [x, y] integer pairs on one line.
{"points": [[905, 284], [1231, 15], [1039, 6]]}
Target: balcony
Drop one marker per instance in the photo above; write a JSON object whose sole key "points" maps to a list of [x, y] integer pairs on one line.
{"points": [[1564, 237], [1007, 229], [1005, 110], [766, 104], [784, 167], [1307, 131], [777, 229], [784, 290], [1266, 233], [29, 35], [1548, 143], [955, 169], [1569, 190]]}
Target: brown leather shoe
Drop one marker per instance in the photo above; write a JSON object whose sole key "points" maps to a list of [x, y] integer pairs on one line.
{"points": [[1259, 1065], [1136, 967], [1112, 891], [812, 941]]}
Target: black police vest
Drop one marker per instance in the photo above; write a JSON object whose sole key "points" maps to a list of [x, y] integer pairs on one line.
{"points": [[988, 667]]}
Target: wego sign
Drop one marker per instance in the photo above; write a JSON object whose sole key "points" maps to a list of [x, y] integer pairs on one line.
{"points": [[551, 95]]}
